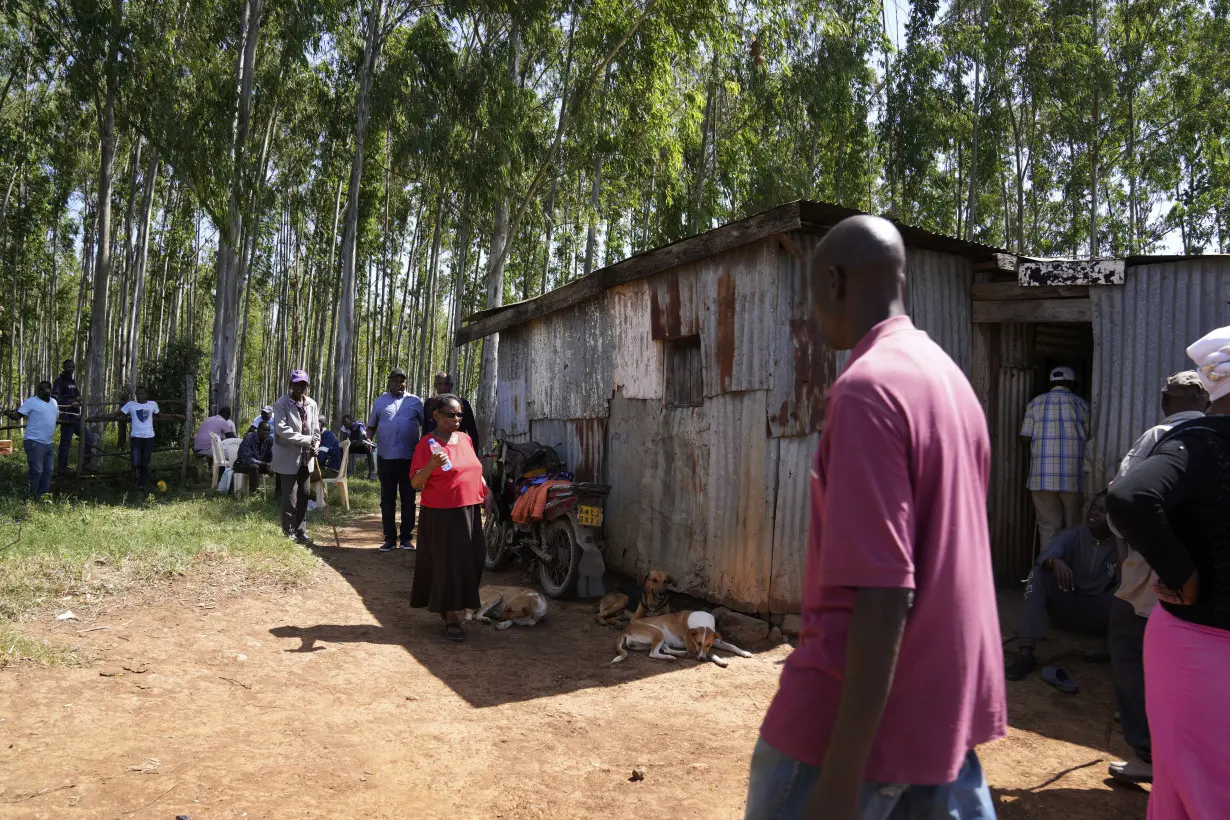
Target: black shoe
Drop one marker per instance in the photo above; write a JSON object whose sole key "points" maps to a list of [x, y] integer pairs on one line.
{"points": [[388, 546], [406, 545], [1022, 666], [302, 538]]}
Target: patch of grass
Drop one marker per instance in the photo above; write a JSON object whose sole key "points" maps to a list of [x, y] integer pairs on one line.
{"points": [[99, 538], [16, 648]]}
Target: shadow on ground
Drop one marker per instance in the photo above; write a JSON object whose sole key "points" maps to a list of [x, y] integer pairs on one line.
{"points": [[1040, 803], [566, 652], [1085, 719]]}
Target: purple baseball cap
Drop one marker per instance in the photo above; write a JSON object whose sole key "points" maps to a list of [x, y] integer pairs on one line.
{"points": [[299, 376]]}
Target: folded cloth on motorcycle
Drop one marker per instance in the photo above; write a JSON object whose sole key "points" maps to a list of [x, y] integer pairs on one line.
{"points": [[533, 502]]}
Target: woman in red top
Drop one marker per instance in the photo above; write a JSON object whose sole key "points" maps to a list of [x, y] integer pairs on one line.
{"points": [[449, 564]]}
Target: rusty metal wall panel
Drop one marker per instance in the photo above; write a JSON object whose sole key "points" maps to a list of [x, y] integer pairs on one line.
{"points": [[512, 388], [637, 358], [580, 443], [1141, 333], [739, 323], [740, 492], [791, 518], [693, 491], [656, 515], [1009, 506], [570, 369], [802, 366], [940, 303]]}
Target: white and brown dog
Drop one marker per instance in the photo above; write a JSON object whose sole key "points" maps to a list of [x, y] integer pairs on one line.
{"points": [[655, 600], [678, 635], [509, 605]]}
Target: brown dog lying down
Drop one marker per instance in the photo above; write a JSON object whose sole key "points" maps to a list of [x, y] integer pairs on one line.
{"points": [[508, 606], [655, 600], [678, 635]]}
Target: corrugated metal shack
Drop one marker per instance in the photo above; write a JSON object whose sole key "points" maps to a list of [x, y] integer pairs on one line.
{"points": [[692, 379], [1123, 324]]}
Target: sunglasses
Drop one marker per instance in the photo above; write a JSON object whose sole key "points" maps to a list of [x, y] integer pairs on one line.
{"points": [[449, 415]]}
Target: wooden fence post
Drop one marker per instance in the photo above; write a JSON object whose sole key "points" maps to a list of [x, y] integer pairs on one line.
{"points": [[188, 407]]}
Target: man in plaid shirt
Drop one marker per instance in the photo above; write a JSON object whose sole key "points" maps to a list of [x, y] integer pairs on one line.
{"points": [[1057, 426]]}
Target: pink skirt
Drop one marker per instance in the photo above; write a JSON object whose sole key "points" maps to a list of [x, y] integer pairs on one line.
{"points": [[1187, 667]]}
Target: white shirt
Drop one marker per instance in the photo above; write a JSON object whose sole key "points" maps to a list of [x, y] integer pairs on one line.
{"points": [[142, 416]]}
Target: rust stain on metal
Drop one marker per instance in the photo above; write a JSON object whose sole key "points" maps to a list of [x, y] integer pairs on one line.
{"points": [[725, 330], [666, 320], [815, 368]]}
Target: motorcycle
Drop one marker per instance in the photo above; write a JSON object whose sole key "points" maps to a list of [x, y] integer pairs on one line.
{"points": [[566, 545]]}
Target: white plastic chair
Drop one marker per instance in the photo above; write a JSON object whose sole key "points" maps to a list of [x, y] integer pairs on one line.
{"points": [[322, 489], [219, 463], [230, 453]]}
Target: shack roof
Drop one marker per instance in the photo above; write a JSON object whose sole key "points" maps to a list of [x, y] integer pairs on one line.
{"points": [[802, 215]]}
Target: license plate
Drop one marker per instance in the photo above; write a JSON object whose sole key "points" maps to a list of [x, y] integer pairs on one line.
{"points": [[589, 516]]}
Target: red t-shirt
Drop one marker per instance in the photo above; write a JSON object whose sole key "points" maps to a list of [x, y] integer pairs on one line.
{"points": [[461, 486], [898, 500]]}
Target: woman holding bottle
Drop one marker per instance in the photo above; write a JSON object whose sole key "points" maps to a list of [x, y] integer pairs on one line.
{"points": [[448, 475]]}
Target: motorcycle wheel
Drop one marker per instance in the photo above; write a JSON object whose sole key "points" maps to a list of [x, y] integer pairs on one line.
{"points": [[497, 555], [558, 576]]}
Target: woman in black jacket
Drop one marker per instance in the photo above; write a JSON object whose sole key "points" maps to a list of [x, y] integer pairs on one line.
{"points": [[1174, 508]]}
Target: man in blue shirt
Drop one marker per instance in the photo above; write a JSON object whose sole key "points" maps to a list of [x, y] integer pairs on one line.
{"points": [[40, 412], [356, 433], [396, 423], [330, 451]]}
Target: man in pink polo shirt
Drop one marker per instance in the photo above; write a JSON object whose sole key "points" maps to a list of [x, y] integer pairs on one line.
{"points": [[898, 674]]}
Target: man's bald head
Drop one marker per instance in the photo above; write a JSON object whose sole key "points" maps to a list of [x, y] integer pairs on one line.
{"points": [[857, 278]]}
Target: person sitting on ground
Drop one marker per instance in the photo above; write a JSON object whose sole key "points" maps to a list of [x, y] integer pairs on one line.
{"points": [[329, 452], [40, 412], [360, 445], [444, 387], [1075, 581], [255, 456], [266, 414], [220, 425]]}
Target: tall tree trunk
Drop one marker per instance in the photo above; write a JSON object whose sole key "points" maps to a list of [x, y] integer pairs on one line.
{"points": [[1095, 141], [97, 376], [500, 241], [230, 237], [462, 250], [591, 238], [343, 374], [142, 257]]}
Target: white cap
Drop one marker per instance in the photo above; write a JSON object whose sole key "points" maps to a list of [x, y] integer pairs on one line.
{"points": [[1063, 374]]}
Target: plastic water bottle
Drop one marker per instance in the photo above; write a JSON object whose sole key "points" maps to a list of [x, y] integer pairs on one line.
{"points": [[436, 448]]}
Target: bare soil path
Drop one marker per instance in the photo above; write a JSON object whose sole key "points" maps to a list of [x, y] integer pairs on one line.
{"points": [[335, 700]]}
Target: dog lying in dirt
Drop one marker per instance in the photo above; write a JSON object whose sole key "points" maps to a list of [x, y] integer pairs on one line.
{"points": [[508, 606], [678, 635], [655, 600]]}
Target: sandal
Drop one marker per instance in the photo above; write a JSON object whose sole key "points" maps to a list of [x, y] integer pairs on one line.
{"points": [[1059, 677], [454, 632]]}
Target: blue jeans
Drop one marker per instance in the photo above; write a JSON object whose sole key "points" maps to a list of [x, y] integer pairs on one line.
{"points": [[780, 787], [41, 459], [67, 431], [142, 449]]}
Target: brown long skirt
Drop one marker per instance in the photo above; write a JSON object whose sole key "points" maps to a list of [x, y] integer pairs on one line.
{"points": [[448, 564]]}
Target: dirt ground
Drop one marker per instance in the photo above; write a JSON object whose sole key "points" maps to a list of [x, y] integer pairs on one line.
{"points": [[335, 700]]}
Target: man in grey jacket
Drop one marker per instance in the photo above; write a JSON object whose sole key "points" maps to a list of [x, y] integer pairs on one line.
{"points": [[296, 425], [1074, 581]]}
